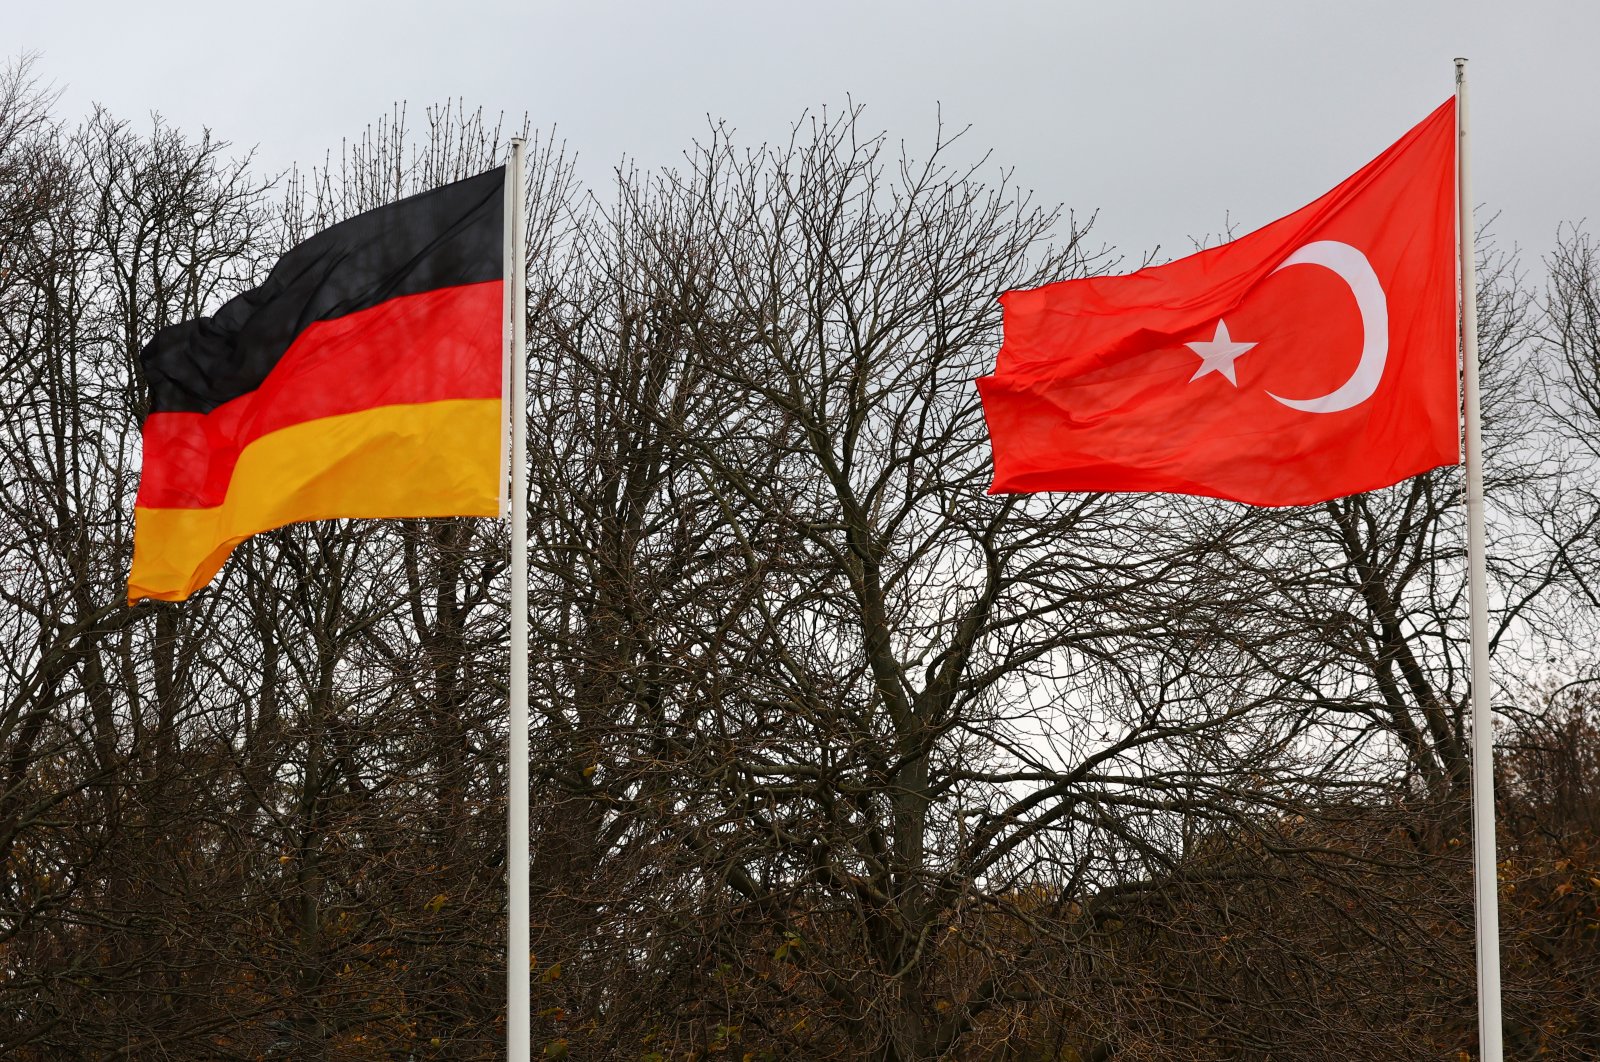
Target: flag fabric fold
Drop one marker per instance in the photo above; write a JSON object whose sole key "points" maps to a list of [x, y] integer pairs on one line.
{"points": [[1310, 359], [362, 379]]}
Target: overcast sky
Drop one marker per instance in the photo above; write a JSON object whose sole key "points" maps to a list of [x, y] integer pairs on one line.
{"points": [[1168, 117]]}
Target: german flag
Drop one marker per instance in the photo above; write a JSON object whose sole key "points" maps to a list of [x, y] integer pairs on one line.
{"points": [[362, 379]]}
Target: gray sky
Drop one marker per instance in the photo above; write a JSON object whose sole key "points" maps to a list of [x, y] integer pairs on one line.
{"points": [[1169, 117]]}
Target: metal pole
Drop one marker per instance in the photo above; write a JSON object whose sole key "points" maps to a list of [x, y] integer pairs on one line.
{"points": [[519, 1043], [1486, 892]]}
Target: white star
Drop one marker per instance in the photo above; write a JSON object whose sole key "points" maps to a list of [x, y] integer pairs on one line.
{"points": [[1217, 354]]}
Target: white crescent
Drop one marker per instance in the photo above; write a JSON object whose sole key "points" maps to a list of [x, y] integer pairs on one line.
{"points": [[1353, 268]]}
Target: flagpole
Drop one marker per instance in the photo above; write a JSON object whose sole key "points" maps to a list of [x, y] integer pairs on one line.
{"points": [[1486, 891], [519, 1043]]}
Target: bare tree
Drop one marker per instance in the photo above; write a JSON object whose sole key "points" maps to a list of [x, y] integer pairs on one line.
{"points": [[832, 739], [834, 756]]}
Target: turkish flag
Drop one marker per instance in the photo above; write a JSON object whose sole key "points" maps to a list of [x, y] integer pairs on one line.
{"points": [[1313, 358]]}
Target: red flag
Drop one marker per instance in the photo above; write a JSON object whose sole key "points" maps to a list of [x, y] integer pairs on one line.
{"points": [[1313, 358]]}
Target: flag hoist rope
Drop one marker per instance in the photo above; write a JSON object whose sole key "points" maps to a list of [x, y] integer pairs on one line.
{"points": [[519, 1044], [1486, 891]]}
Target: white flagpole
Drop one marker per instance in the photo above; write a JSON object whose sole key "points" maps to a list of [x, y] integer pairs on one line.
{"points": [[1486, 890], [519, 1043]]}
